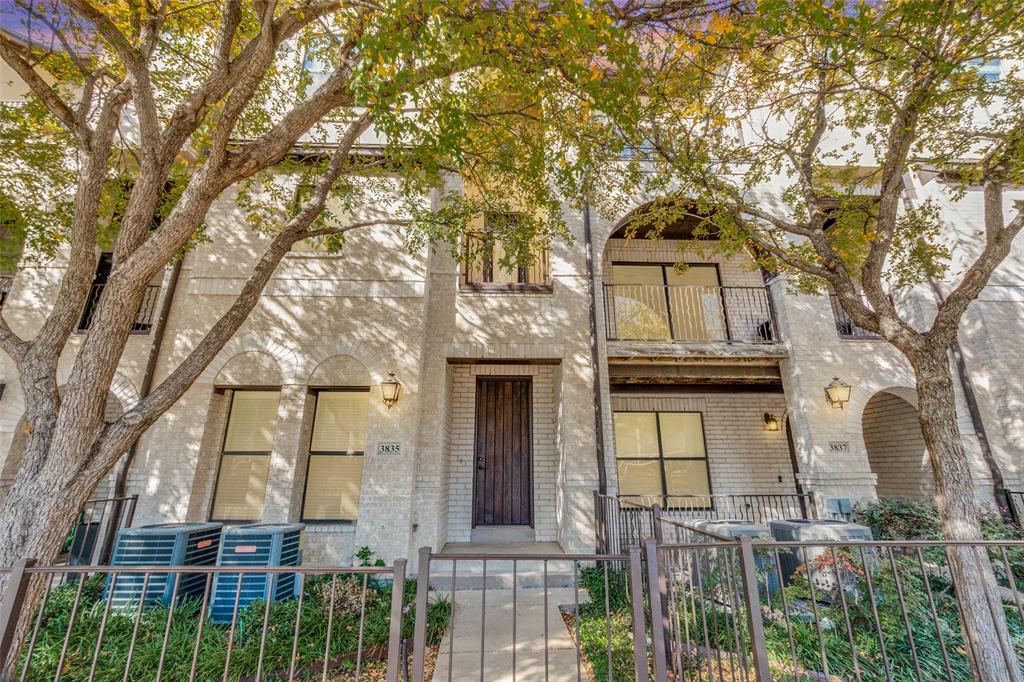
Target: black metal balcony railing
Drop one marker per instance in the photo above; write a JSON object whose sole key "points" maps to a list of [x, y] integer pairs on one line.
{"points": [[845, 326], [644, 312], [143, 318], [5, 288]]}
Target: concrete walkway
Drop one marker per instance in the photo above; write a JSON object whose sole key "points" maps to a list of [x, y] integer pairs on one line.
{"points": [[510, 637]]}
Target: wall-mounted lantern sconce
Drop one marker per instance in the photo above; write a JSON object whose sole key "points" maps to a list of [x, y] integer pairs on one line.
{"points": [[771, 422], [390, 390], [837, 393]]}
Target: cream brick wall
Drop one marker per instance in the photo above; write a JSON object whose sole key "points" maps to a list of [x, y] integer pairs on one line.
{"points": [[390, 309]]}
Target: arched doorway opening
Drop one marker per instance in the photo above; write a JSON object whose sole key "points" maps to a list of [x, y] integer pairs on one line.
{"points": [[896, 449]]}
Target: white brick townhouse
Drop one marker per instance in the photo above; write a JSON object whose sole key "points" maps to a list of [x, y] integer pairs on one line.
{"points": [[708, 380]]}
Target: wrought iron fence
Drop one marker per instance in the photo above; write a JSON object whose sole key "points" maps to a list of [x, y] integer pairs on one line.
{"points": [[143, 318], [156, 623], [533, 616], [92, 539], [641, 312], [621, 523], [694, 606], [825, 610], [625, 520], [845, 326], [750, 507]]}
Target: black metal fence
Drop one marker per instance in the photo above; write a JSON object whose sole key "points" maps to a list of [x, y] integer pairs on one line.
{"points": [[92, 539], [156, 623], [642, 312], [626, 520], [532, 616], [750, 507], [824, 610]]}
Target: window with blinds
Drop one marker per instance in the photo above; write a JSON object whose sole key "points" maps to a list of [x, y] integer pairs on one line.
{"points": [[661, 455], [245, 457], [336, 448]]}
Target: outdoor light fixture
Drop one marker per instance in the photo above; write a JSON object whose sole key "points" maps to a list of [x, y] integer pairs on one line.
{"points": [[771, 422], [837, 393], [390, 390]]}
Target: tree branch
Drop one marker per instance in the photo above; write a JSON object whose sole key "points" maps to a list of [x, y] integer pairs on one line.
{"points": [[11, 343], [120, 434], [997, 247], [41, 89]]}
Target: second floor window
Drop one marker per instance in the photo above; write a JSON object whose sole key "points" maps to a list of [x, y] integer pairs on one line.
{"points": [[146, 313], [658, 302], [487, 265]]}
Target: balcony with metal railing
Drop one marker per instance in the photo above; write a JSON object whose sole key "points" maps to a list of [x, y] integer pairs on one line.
{"points": [[639, 316]]}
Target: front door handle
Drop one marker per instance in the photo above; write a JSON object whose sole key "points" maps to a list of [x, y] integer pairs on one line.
{"points": [[480, 463]]}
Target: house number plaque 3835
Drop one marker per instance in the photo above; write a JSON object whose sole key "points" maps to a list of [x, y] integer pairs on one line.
{"points": [[389, 447]]}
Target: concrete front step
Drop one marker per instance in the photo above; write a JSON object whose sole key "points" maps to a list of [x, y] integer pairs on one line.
{"points": [[498, 577], [525, 572]]}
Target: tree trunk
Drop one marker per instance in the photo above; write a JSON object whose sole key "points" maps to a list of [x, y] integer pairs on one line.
{"points": [[981, 610], [39, 512]]}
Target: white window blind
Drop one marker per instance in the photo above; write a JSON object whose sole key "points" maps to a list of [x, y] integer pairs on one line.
{"points": [[242, 478], [241, 487], [340, 421], [332, 487], [252, 422], [335, 472]]}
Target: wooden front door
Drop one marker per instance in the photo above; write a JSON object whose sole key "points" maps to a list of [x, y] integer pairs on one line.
{"points": [[503, 480]]}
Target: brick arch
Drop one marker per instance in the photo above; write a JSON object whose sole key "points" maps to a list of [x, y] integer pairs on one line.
{"points": [[286, 358], [865, 389], [121, 388], [325, 348], [121, 396], [895, 448]]}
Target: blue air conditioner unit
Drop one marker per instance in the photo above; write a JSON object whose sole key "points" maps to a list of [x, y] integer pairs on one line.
{"points": [[256, 544], [162, 544]]}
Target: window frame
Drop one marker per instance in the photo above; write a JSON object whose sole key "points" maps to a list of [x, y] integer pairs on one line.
{"points": [[247, 453], [543, 258], [310, 453], [664, 494]]}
